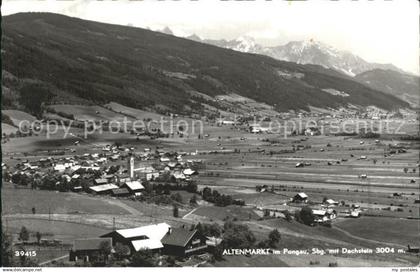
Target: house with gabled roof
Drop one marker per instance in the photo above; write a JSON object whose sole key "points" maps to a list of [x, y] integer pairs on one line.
{"points": [[92, 249], [141, 238], [134, 187], [300, 197], [183, 242]]}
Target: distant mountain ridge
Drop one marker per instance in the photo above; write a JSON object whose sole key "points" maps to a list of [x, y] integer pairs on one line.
{"points": [[404, 86], [304, 52]]}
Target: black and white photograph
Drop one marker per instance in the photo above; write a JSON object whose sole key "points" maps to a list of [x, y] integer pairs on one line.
{"points": [[210, 134]]}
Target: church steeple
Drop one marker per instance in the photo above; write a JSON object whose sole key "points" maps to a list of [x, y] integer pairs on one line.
{"points": [[130, 167]]}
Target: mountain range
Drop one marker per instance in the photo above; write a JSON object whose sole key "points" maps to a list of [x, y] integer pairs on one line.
{"points": [[383, 77], [49, 58], [303, 52]]}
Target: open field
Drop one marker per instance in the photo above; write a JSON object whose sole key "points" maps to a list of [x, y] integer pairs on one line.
{"points": [[224, 213], [392, 230], [21, 201], [17, 116], [64, 231], [136, 113], [89, 113]]}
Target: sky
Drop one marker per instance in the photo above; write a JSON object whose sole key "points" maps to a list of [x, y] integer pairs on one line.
{"points": [[378, 31]]}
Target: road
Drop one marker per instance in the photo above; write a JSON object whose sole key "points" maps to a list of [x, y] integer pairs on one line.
{"points": [[55, 259]]}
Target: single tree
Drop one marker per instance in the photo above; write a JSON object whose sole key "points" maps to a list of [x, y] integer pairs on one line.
{"points": [[307, 216], [38, 237], [274, 237], [175, 211], [288, 216], [23, 234], [105, 249]]}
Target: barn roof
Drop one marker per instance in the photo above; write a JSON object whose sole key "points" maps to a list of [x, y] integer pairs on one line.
{"points": [[121, 191], [103, 187], [134, 185], [146, 244], [188, 172], [101, 181], [331, 201], [151, 231], [302, 195]]}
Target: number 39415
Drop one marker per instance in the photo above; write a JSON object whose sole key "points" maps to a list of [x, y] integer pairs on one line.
{"points": [[21, 253]]}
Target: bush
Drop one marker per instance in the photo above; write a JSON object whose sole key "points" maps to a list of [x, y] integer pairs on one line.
{"points": [[121, 250], [238, 236], [193, 200], [143, 258], [218, 253], [177, 197], [209, 229]]}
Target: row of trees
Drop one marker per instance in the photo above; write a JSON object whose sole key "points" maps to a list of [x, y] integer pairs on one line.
{"points": [[165, 188], [218, 199], [54, 181], [24, 235]]}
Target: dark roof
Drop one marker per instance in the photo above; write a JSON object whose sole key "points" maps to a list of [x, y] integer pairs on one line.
{"points": [[178, 236], [121, 191], [90, 244]]}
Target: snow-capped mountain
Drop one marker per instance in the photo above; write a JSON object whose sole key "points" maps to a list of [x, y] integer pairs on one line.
{"points": [[314, 52], [243, 44], [166, 30], [303, 52]]}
